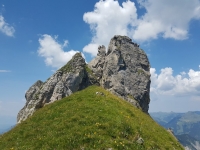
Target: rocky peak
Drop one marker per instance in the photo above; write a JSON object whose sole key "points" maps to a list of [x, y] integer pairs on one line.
{"points": [[67, 80], [75, 64], [123, 70]]}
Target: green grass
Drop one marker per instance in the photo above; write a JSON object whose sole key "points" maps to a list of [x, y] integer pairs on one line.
{"points": [[89, 121]]}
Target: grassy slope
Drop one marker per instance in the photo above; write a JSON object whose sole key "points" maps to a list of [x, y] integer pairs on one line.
{"points": [[89, 121]]}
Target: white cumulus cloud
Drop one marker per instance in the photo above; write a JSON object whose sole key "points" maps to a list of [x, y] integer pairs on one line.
{"points": [[5, 27], [183, 84], [163, 18], [169, 18], [177, 93], [109, 19], [53, 51]]}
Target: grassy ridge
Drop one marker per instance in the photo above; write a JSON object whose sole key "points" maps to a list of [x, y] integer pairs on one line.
{"points": [[87, 121]]}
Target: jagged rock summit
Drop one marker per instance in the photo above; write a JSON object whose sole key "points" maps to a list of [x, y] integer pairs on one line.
{"points": [[123, 70], [67, 80]]}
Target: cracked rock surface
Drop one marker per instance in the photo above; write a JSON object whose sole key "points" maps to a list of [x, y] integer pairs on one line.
{"points": [[124, 70]]}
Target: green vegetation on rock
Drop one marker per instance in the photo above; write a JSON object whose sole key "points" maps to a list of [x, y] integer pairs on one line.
{"points": [[89, 71], [67, 67], [88, 120]]}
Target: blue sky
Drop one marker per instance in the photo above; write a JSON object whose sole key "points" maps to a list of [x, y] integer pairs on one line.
{"points": [[38, 37]]}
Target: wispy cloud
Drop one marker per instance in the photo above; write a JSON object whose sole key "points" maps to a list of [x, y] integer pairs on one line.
{"points": [[4, 71], [166, 19], [6, 28]]}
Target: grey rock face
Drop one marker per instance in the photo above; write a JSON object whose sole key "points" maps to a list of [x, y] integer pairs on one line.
{"points": [[70, 78], [31, 97], [97, 63], [125, 71]]}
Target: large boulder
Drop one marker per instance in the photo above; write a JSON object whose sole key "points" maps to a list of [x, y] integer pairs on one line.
{"points": [[124, 70]]}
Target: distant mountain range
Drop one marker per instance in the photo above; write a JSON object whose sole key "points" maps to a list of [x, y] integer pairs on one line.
{"points": [[189, 142], [186, 126]]}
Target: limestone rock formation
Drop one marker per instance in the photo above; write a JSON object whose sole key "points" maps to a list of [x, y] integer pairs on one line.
{"points": [[67, 80], [124, 70], [97, 64]]}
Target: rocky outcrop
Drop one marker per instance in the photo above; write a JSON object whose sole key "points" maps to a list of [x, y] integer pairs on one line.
{"points": [[123, 70], [70, 78], [97, 64]]}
